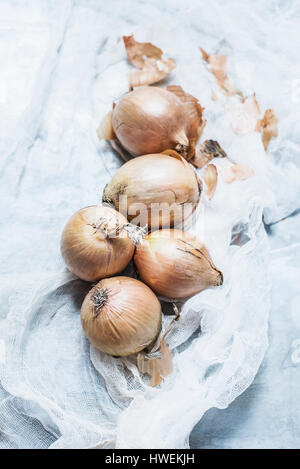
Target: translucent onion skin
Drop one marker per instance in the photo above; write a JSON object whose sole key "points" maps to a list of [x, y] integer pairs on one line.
{"points": [[121, 316], [88, 246], [175, 264], [152, 185], [150, 120]]}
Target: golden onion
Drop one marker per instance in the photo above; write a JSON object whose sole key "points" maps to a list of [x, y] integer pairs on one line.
{"points": [[175, 264], [121, 316], [94, 243], [151, 120], [155, 190]]}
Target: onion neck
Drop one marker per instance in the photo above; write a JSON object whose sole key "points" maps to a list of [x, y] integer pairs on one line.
{"points": [[99, 299], [220, 279], [106, 228], [135, 233], [182, 143]]}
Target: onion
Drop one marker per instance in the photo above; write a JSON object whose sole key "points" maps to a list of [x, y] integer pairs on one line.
{"points": [[121, 316], [94, 244], [175, 264], [155, 190], [151, 120]]}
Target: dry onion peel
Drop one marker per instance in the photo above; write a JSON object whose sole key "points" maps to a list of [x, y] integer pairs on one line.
{"points": [[206, 151], [121, 316], [154, 190], [269, 126], [136, 233], [218, 67], [152, 120], [251, 105], [105, 130], [245, 119], [210, 177], [244, 115], [214, 95], [94, 243], [175, 264], [148, 59], [194, 112], [236, 172], [156, 368]]}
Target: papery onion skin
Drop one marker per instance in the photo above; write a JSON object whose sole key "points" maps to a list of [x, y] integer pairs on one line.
{"points": [[121, 316], [151, 180], [175, 264], [151, 120], [87, 252]]}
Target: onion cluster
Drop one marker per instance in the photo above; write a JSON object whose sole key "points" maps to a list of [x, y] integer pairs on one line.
{"points": [[158, 189]]}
